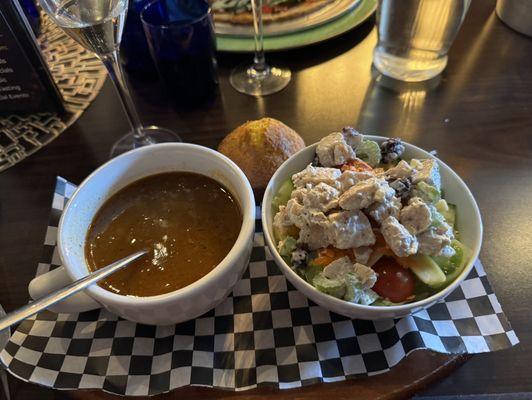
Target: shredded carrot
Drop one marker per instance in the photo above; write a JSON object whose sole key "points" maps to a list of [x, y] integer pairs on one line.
{"points": [[322, 261], [329, 254], [356, 165]]}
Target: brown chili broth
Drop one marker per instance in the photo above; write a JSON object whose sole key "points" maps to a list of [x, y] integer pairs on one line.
{"points": [[189, 222]]}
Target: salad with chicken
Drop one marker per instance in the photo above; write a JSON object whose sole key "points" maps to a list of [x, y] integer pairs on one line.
{"points": [[365, 225]]}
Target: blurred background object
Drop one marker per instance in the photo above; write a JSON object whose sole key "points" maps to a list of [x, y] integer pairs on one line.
{"points": [[259, 78], [32, 15], [180, 35], [517, 14], [98, 27], [134, 51], [415, 36], [26, 84]]}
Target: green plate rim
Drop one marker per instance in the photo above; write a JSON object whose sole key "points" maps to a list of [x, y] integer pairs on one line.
{"points": [[303, 38]]}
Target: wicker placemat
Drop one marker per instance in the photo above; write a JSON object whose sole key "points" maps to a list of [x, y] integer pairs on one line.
{"points": [[79, 76]]}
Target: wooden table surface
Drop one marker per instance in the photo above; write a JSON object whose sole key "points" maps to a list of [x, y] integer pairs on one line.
{"points": [[478, 117]]}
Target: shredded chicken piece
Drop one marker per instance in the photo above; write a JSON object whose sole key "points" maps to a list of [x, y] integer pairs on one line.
{"points": [[333, 150], [321, 197], [415, 216], [312, 176], [426, 171], [380, 211], [350, 229], [400, 241], [400, 171], [436, 241], [350, 178], [339, 268], [365, 193]]}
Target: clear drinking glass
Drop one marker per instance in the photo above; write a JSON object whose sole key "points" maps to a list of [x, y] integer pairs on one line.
{"points": [[415, 36], [97, 25], [259, 79]]}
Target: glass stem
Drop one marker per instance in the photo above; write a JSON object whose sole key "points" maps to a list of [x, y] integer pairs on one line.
{"points": [[112, 64], [259, 63]]}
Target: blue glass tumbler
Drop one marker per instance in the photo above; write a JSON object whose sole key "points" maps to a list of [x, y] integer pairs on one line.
{"points": [[134, 51], [180, 35]]}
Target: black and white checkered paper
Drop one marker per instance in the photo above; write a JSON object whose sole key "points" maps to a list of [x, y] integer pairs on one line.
{"points": [[265, 333]]}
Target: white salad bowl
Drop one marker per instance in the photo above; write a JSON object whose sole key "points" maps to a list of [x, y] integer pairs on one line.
{"points": [[468, 223], [165, 309]]}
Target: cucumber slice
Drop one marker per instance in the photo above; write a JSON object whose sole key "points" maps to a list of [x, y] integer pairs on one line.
{"points": [[332, 287], [428, 193], [283, 194], [442, 205], [425, 268], [449, 264], [459, 260], [450, 214], [369, 152]]}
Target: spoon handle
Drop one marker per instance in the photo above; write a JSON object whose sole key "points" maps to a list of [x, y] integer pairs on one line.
{"points": [[60, 294]]}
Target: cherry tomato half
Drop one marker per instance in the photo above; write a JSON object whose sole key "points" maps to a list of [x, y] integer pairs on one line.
{"points": [[394, 282]]}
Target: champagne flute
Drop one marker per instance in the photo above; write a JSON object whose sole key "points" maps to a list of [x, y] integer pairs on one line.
{"points": [[97, 25], [259, 79]]}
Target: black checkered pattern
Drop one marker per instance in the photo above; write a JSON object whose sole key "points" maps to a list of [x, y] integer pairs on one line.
{"points": [[265, 333]]}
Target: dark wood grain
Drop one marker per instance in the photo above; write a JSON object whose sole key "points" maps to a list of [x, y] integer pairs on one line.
{"points": [[478, 117], [423, 368]]}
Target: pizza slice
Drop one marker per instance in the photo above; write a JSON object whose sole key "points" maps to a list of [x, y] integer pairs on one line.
{"points": [[239, 11]]}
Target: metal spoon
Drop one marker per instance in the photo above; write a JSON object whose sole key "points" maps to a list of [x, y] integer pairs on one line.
{"points": [[61, 294]]}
